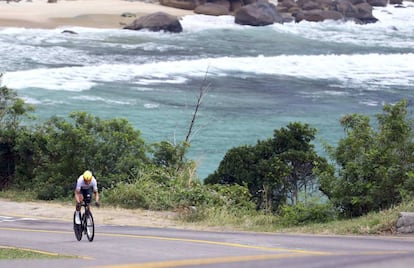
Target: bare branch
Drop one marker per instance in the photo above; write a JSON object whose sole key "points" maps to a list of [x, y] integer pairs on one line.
{"points": [[205, 86]]}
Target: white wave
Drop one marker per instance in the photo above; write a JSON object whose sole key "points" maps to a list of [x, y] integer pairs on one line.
{"points": [[29, 100], [36, 102], [394, 29], [174, 80], [151, 105], [370, 103], [68, 79], [348, 70], [100, 99], [204, 22]]}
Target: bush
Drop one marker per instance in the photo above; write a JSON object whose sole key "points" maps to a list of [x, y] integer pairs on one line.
{"points": [[158, 188], [374, 165], [59, 150], [274, 169], [304, 213]]}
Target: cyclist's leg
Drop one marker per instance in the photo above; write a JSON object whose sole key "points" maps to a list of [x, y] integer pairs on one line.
{"points": [[85, 196], [79, 204], [78, 214]]}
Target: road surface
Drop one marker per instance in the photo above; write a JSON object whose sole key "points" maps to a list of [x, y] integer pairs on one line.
{"points": [[125, 247]]}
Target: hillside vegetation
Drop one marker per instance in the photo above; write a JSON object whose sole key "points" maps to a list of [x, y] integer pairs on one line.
{"points": [[280, 183]]}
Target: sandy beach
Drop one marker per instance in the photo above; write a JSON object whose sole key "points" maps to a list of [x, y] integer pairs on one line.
{"points": [[84, 13]]}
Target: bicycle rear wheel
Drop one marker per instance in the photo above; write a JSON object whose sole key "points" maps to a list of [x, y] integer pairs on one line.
{"points": [[89, 226], [77, 228]]}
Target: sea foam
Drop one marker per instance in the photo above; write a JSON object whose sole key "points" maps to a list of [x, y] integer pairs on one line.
{"points": [[374, 69]]}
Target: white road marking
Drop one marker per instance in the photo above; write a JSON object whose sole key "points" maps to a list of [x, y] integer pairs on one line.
{"points": [[12, 219]]}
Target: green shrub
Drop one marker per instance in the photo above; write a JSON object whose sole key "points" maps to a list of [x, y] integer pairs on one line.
{"points": [[304, 213], [126, 196], [50, 192]]}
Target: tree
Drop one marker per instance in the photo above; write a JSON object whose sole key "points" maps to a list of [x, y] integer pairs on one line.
{"points": [[12, 111], [61, 149], [295, 149], [274, 169], [374, 166]]}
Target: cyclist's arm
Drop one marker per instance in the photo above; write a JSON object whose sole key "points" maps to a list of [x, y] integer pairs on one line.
{"points": [[95, 189], [77, 195], [96, 196], [77, 191]]}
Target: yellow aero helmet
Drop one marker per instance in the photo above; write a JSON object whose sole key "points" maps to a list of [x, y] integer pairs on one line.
{"points": [[87, 175]]}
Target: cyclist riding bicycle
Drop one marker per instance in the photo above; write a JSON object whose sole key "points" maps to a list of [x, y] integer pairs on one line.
{"points": [[83, 191]]}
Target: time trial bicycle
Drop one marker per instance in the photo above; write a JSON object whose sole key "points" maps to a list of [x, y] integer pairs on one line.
{"points": [[87, 225]]}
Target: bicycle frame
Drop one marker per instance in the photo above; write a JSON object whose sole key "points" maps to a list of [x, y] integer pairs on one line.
{"points": [[87, 225]]}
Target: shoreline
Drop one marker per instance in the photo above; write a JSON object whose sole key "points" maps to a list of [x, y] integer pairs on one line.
{"points": [[78, 13]]}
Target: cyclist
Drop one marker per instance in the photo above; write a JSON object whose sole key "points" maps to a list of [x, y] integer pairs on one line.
{"points": [[83, 191]]}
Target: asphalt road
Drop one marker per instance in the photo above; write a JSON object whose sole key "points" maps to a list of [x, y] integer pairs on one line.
{"points": [[124, 247]]}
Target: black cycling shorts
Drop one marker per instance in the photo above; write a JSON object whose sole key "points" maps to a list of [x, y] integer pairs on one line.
{"points": [[87, 195]]}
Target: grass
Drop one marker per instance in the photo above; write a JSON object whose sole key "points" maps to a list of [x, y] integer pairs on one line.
{"points": [[10, 253], [19, 196], [26, 196], [374, 223]]}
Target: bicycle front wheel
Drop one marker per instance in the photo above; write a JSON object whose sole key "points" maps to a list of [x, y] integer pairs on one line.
{"points": [[89, 226], [77, 228]]}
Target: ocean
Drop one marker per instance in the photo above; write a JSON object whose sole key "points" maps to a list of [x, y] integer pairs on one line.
{"points": [[258, 79]]}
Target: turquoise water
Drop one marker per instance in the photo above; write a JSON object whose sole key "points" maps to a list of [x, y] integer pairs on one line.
{"points": [[260, 78]]}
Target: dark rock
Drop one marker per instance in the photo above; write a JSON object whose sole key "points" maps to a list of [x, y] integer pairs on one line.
{"points": [[314, 4], [69, 32], [182, 4], [360, 12], [378, 3], [260, 13], [318, 15], [225, 3], [128, 15], [287, 17], [310, 5], [356, 2], [365, 13], [155, 22], [288, 4], [236, 5], [346, 8], [212, 9]]}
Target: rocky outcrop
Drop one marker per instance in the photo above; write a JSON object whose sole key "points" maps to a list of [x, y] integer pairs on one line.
{"points": [[318, 15], [260, 13], [69, 32], [405, 222], [158, 21], [182, 4], [212, 9], [378, 3], [364, 14], [359, 11]]}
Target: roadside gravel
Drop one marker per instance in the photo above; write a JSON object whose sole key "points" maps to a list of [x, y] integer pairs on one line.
{"points": [[102, 215]]}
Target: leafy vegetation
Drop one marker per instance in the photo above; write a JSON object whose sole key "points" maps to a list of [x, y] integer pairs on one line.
{"points": [[280, 182], [112, 149], [374, 167], [12, 110], [276, 169]]}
